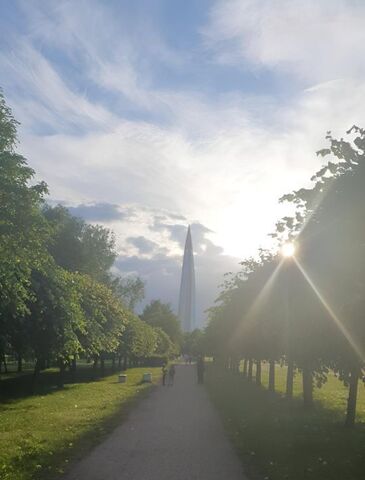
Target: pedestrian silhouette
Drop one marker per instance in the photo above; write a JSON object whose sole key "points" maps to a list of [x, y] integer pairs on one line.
{"points": [[164, 375], [171, 375], [200, 369]]}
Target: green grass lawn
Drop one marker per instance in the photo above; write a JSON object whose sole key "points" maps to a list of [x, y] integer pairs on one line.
{"points": [[40, 435], [278, 440], [333, 394]]}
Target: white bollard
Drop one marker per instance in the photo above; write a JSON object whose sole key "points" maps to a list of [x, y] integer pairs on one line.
{"points": [[122, 378], [147, 378]]}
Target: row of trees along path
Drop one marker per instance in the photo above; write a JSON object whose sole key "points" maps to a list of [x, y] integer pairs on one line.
{"points": [[58, 298], [308, 310]]}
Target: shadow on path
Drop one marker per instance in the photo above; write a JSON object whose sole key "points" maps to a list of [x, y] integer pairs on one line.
{"points": [[174, 434]]}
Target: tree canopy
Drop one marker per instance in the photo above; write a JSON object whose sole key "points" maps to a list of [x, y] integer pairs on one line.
{"points": [[281, 309], [58, 297]]}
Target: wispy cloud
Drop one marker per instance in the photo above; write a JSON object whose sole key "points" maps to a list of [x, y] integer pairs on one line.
{"points": [[316, 41], [100, 127]]}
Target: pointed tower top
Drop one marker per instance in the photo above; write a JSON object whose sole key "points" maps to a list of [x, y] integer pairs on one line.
{"points": [[187, 287]]}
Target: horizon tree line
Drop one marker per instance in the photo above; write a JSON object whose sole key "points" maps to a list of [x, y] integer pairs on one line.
{"points": [[308, 310], [58, 297]]}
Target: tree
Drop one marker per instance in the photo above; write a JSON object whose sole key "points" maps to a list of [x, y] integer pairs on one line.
{"points": [[55, 320], [316, 295], [23, 231], [78, 246], [130, 289], [138, 341], [164, 346], [105, 317], [158, 314], [8, 127], [330, 229], [193, 343]]}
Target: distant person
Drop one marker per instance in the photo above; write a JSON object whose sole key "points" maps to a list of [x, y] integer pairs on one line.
{"points": [[200, 369], [164, 375], [171, 375]]}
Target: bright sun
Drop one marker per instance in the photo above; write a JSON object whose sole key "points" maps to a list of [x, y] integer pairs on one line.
{"points": [[288, 249]]}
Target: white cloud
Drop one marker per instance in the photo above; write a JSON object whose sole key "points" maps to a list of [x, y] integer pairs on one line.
{"points": [[221, 161], [315, 40]]}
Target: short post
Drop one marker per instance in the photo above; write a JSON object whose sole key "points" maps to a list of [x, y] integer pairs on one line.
{"points": [[122, 378], [147, 378]]}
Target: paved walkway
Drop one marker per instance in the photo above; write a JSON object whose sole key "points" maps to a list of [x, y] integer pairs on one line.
{"points": [[174, 434]]}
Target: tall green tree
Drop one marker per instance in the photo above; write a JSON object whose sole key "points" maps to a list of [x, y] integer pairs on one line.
{"points": [[23, 230], [55, 320], [130, 289], [78, 246], [105, 317], [330, 230], [158, 314]]}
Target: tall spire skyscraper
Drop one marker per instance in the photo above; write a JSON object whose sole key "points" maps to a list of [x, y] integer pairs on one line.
{"points": [[187, 288]]}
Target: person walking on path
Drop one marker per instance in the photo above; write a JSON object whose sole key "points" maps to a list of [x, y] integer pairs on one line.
{"points": [[200, 369], [168, 435], [171, 375], [164, 375]]}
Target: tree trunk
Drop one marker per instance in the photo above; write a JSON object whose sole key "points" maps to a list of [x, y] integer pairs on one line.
{"points": [[250, 366], [272, 376], [102, 365], [234, 365], [74, 364], [125, 363], [351, 400], [290, 379], [307, 387], [61, 375], [73, 367], [5, 364], [95, 365], [245, 367], [20, 364], [119, 362], [113, 362], [35, 378], [258, 373]]}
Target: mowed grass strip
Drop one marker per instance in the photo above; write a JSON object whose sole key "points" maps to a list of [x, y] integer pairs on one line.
{"points": [[278, 440], [40, 435]]}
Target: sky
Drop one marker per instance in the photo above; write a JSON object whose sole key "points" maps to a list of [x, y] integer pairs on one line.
{"points": [[150, 115]]}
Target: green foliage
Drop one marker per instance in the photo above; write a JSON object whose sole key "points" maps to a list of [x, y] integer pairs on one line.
{"points": [[23, 230], [164, 345], [138, 341], [78, 246], [129, 289], [8, 127], [42, 434], [58, 298], [193, 344], [158, 314], [55, 319], [306, 311], [105, 317]]}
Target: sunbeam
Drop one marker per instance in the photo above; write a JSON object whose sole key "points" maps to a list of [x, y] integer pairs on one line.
{"points": [[254, 308], [332, 314]]}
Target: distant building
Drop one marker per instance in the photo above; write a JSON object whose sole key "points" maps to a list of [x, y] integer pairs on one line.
{"points": [[187, 288]]}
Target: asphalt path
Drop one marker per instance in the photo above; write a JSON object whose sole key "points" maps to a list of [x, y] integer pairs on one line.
{"points": [[173, 434]]}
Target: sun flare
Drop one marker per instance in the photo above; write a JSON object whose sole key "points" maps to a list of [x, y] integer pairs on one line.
{"points": [[288, 250]]}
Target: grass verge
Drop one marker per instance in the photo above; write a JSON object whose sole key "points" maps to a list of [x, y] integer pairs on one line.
{"points": [[278, 440], [42, 434]]}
